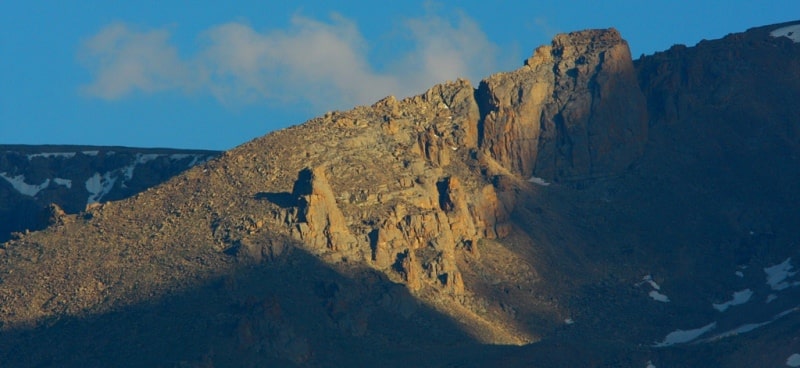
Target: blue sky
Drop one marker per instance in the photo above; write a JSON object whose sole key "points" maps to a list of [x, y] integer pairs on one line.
{"points": [[199, 74]]}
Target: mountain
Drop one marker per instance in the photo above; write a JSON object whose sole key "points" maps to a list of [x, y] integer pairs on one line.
{"points": [[37, 176], [583, 210]]}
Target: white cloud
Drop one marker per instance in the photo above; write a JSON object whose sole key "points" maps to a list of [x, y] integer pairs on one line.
{"points": [[447, 49], [323, 63], [123, 60], [315, 61]]}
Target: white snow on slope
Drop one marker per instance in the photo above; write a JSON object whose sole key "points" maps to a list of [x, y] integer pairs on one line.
{"points": [[140, 159], [195, 158], [65, 182], [658, 296], [777, 275], [538, 181], [654, 294], [739, 297], [684, 336], [793, 360], [750, 326], [793, 32], [649, 279], [19, 184], [737, 331], [98, 186], [52, 154]]}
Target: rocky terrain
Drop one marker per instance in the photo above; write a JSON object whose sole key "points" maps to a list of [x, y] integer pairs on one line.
{"points": [[583, 210], [73, 177]]}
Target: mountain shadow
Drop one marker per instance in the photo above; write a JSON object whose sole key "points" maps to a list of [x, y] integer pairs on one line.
{"points": [[292, 311]]}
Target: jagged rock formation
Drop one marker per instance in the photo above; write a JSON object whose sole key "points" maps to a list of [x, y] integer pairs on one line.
{"points": [[73, 177], [429, 215], [320, 222], [573, 112], [422, 231]]}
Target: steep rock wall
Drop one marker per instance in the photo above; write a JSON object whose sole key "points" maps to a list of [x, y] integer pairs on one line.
{"points": [[574, 111]]}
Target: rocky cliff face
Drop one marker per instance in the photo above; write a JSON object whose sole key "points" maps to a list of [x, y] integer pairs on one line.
{"points": [[72, 177], [573, 112], [583, 202]]}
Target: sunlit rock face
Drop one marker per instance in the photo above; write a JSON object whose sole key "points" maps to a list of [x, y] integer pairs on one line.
{"points": [[573, 112]]}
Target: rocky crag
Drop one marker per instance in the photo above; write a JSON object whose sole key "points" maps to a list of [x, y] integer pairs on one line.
{"points": [[584, 202], [42, 182]]}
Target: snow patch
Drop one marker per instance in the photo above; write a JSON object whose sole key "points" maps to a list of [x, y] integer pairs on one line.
{"points": [[777, 275], [654, 294], [19, 184], [658, 296], [786, 312], [738, 330], [51, 155], [90, 153], [747, 328], [793, 360], [684, 336], [65, 182], [650, 364], [569, 321], [145, 158], [649, 279], [739, 297], [739, 274], [770, 298], [140, 159], [98, 186], [750, 326], [196, 158], [538, 181], [792, 32]]}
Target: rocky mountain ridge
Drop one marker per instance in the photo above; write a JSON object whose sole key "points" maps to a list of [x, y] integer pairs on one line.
{"points": [[72, 177], [584, 202]]}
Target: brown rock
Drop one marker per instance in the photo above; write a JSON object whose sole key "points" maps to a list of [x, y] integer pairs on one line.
{"points": [[491, 215], [321, 224], [409, 269], [573, 111]]}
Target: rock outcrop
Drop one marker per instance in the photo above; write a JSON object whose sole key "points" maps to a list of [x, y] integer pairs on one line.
{"points": [[574, 111], [319, 222]]}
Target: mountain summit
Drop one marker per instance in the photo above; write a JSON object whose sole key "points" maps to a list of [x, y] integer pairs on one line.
{"points": [[583, 210]]}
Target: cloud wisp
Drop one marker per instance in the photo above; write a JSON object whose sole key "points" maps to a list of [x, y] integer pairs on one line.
{"points": [[123, 60], [322, 63]]}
